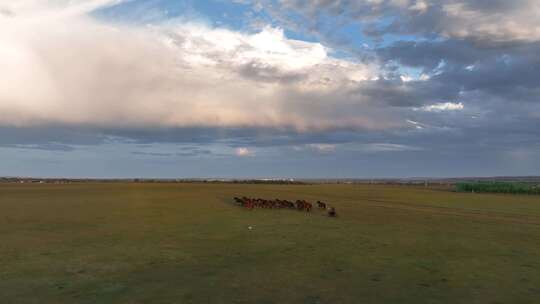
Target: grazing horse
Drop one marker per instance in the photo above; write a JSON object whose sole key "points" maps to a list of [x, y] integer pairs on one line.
{"points": [[321, 205]]}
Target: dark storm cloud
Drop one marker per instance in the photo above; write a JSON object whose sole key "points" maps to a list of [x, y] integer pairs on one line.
{"points": [[511, 72], [398, 93], [459, 68], [47, 136], [184, 152], [428, 55], [262, 72], [159, 154], [196, 152], [47, 147], [66, 139]]}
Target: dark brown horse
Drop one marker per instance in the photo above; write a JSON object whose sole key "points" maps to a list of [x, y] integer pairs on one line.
{"points": [[321, 205]]}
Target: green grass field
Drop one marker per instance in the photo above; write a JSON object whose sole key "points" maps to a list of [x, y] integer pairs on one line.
{"points": [[188, 243]]}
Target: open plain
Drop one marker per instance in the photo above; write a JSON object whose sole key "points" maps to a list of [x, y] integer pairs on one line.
{"points": [[189, 243]]}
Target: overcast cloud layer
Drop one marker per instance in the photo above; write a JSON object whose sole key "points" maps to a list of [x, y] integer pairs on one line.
{"points": [[387, 81]]}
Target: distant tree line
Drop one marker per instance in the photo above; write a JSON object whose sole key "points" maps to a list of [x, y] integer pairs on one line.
{"points": [[498, 187], [272, 182]]}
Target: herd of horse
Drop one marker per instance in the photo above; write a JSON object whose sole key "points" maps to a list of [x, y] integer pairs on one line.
{"points": [[300, 205]]}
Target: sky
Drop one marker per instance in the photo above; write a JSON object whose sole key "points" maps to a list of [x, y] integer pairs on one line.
{"points": [[269, 88]]}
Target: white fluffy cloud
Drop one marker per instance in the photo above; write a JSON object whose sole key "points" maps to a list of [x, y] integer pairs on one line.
{"points": [[322, 148], [443, 106], [62, 66], [244, 152]]}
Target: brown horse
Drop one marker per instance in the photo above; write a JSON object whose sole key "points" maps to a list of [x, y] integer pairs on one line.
{"points": [[251, 203]]}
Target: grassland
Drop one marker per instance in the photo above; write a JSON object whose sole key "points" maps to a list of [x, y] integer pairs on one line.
{"points": [[187, 243]]}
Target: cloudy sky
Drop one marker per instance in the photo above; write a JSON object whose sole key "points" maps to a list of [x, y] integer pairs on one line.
{"points": [[269, 88]]}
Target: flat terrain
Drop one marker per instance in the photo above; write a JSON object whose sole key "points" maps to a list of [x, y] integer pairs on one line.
{"points": [[188, 243]]}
